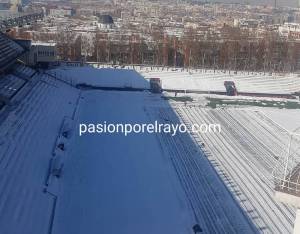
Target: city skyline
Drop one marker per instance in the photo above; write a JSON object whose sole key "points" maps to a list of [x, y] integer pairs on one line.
{"points": [[289, 3]]}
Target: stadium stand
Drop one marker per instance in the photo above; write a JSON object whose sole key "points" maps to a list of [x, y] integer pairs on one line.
{"points": [[10, 85], [23, 72], [28, 202], [24, 93], [9, 51]]}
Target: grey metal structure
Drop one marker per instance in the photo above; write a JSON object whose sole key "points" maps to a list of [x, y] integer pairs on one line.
{"points": [[287, 171], [286, 175]]}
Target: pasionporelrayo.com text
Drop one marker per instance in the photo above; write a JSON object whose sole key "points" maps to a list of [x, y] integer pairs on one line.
{"points": [[155, 127]]}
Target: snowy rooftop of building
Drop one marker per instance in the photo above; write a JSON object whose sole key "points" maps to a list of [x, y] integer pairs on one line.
{"points": [[39, 43]]}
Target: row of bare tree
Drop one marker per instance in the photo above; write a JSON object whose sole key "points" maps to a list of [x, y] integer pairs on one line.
{"points": [[231, 49]]}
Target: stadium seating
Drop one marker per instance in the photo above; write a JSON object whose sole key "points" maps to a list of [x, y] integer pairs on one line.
{"points": [[10, 85], [23, 72], [1, 104], [9, 50]]}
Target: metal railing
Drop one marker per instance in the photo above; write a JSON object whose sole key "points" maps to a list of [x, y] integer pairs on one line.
{"points": [[286, 173], [287, 186]]}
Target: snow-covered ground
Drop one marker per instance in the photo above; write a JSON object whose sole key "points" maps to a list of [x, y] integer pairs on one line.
{"points": [[142, 183], [179, 79], [214, 81]]}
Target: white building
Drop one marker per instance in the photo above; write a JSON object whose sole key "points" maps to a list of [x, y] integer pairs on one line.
{"points": [[41, 53], [290, 30], [61, 12], [105, 22]]}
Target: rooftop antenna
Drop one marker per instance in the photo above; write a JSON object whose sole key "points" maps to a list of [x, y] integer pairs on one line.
{"points": [[286, 175]]}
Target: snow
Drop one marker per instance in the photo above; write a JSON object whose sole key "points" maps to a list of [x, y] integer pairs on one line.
{"points": [[179, 79], [244, 155], [115, 183], [103, 191], [28, 132], [126, 184], [214, 81], [215, 209], [142, 183], [288, 119], [107, 77]]}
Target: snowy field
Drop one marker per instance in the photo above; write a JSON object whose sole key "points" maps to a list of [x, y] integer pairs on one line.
{"points": [[179, 79], [214, 81], [143, 183]]}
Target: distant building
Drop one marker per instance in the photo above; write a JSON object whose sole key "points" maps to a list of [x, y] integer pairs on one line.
{"points": [[62, 11], [296, 17], [15, 5], [246, 23], [25, 2], [280, 18], [105, 21], [4, 6], [41, 53], [291, 30]]}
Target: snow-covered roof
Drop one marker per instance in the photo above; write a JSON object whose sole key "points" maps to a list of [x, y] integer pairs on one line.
{"points": [[36, 43]]}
